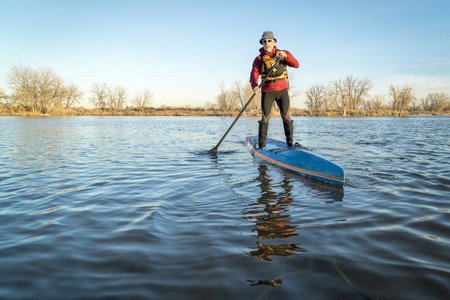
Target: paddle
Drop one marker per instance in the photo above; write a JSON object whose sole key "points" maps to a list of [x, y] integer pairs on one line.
{"points": [[214, 150]]}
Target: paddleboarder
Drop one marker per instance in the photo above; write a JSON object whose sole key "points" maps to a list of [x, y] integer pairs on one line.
{"points": [[275, 87]]}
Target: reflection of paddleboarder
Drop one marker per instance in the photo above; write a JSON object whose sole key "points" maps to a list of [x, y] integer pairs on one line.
{"points": [[275, 88], [272, 220]]}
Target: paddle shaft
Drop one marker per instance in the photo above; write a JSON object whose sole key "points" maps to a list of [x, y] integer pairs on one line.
{"points": [[213, 150]]}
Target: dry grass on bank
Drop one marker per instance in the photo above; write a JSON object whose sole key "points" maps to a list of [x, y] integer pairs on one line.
{"points": [[20, 111]]}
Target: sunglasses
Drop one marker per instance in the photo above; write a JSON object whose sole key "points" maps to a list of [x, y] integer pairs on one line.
{"points": [[267, 41]]}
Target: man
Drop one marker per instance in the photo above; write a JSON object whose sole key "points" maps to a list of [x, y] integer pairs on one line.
{"points": [[275, 88]]}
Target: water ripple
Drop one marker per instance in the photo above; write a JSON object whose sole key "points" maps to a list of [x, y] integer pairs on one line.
{"points": [[134, 208]]}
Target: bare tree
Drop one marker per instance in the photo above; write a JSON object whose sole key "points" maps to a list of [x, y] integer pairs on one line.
{"points": [[71, 96], [414, 105], [41, 90], [243, 93], [401, 97], [222, 98], [360, 92], [237, 93], [142, 99], [108, 97], [437, 101], [406, 98], [121, 94], [341, 94], [23, 82], [332, 100], [395, 94], [235, 96], [50, 90], [99, 95], [351, 92], [209, 105], [316, 97], [425, 104], [111, 98], [375, 103], [255, 105]]}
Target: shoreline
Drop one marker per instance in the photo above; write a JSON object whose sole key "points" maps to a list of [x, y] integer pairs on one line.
{"points": [[197, 112]]}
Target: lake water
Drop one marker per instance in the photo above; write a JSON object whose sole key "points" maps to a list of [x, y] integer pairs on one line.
{"points": [[135, 208]]}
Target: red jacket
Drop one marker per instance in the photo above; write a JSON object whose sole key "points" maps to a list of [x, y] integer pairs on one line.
{"points": [[272, 86]]}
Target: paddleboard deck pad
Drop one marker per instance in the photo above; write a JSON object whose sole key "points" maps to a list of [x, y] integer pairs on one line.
{"points": [[297, 159]]}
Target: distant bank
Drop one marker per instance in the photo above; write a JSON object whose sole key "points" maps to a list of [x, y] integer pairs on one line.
{"points": [[20, 111]]}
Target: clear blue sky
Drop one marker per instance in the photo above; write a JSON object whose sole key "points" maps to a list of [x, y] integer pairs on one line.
{"points": [[181, 50]]}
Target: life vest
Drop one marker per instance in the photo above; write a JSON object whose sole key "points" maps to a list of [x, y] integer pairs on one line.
{"points": [[278, 73]]}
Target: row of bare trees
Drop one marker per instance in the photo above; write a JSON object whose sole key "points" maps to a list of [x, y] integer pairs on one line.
{"points": [[341, 94], [402, 97], [349, 93], [41, 90], [435, 102], [235, 97], [103, 96], [353, 93]]}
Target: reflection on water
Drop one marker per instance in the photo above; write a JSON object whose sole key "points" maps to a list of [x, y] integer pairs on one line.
{"points": [[264, 252], [271, 282], [272, 221]]}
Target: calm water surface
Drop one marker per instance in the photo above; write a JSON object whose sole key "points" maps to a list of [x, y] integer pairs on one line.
{"points": [[134, 208]]}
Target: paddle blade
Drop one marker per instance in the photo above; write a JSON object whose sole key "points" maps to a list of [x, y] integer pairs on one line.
{"points": [[213, 150]]}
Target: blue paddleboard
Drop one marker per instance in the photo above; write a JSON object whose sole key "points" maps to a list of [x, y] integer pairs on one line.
{"points": [[296, 159]]}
